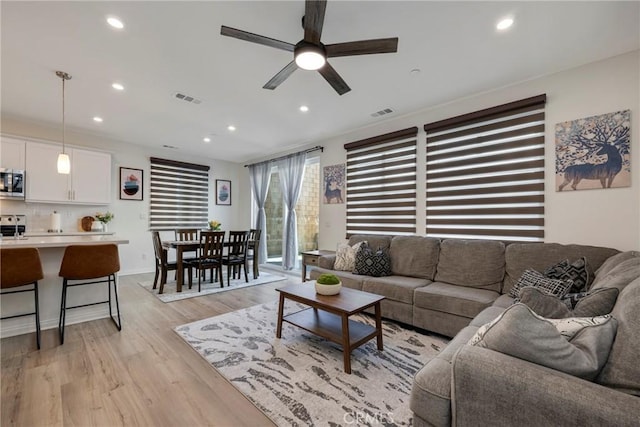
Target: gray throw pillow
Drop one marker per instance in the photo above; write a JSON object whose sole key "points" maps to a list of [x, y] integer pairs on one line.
{"points": [[550, 286], [594, 303], [346, 256], [579, 347]]}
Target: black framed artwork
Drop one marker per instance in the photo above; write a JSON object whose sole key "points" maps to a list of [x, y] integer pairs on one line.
{"points": [[223, 192], [131, 184]]}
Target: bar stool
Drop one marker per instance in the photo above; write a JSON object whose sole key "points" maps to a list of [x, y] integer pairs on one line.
{"points": [[21, 267], [88, 262]]}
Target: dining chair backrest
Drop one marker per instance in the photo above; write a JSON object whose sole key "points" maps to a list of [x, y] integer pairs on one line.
{"points": [[238, 243], [186, 234], [157, 246], [211, 244], [254, 237]]}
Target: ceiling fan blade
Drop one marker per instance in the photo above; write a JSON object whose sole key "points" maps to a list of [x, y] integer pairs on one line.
{"points": [[313, 20], [362, 47], [334, 79], [281, 76], [255, 38]]}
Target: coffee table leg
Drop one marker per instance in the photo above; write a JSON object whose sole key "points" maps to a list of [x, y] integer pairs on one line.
{"points": [[379, 324], [280, 310], [346, 344]]}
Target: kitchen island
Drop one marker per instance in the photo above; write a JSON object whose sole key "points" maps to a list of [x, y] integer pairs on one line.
{"points": [[51, 250]]}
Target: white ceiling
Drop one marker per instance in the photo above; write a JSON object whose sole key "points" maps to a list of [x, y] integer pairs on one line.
{"points": [[169, 47]]}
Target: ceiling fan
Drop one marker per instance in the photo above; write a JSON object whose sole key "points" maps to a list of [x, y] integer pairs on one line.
{"points": [[310, 53]]}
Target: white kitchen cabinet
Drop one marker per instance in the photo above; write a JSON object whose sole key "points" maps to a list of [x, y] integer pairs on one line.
{"points": [[12, 153], [88, 183]]}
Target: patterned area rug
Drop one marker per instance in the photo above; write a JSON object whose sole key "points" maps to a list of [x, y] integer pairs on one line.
{"points": [[299, 379], [169, 293]]}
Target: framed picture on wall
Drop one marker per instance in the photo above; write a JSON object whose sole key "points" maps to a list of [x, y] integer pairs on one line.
{"points": [[131, 184], [223, 192]]}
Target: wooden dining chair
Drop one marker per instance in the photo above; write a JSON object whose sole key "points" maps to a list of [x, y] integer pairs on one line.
{"points": [[253, 246], [237, 254], [187, 234], [162, 263], [209, 257]]}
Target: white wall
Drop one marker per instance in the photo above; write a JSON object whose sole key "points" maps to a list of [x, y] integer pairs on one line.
{"points": [[131, 217], [596, 217]]}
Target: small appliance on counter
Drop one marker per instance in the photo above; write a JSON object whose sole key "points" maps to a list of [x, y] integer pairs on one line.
{"points": [[12, 224]]}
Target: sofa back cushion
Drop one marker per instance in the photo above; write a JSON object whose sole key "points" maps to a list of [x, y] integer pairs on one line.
{"points": [[472, 263], [619, 275], [621, 370], [539, 256], [375, 241], [414, 256]]}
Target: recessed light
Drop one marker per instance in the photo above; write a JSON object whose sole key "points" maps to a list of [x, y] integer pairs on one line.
{"points": [[115, 22], [206, 139], [504, 24], [304, 108], [415, 71], [117, 86], [97, 119], [231, 128]]}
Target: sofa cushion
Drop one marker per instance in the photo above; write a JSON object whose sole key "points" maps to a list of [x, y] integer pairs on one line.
{"points": [[621, 370], [431, 392], [576, 346], [614, 260], [596, 302], [348, 279], [376, 241], [398, 288], [538, 256], [370, 262], [618, 276], [454, 299], [537, 280], [346, 256], [414, 256], [486, 316], [471, 263], [504, 301]]}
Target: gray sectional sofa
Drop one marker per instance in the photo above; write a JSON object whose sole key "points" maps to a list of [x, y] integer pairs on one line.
{"points": [[453, 286]]}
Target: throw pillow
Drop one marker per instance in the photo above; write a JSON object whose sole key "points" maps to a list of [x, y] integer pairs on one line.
{"points": [[550, 286], [346, 256], [520, 333], [594, 303], [372, 263], [576, 271]]}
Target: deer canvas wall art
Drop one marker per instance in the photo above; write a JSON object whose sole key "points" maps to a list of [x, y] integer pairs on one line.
{"points": [[594, 152]]}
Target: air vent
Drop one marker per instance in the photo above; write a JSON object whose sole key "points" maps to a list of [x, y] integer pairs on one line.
{"points": [[188, 98], [170, 146], [382, 112]]}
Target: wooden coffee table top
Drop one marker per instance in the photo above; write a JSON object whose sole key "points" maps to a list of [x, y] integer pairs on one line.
{"points": [[348, 301]]}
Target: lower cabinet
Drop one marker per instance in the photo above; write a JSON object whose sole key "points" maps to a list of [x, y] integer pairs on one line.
{"points": [[88, 183]]}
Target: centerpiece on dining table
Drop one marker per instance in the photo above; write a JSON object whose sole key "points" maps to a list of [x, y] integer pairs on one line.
{"points": [[215, 225]]}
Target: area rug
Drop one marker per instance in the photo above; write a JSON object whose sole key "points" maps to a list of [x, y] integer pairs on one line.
{"points": [[169, 293], [300, 380]]}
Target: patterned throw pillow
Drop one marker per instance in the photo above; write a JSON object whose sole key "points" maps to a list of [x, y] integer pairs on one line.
{"points": [[372, 263], [576, 271], [346, 256], [550, 286]]}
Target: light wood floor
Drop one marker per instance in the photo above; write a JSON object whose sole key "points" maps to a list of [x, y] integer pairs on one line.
{"points": [[144, 375]]}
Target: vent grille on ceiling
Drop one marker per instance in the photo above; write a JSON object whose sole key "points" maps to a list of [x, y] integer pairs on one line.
{"points": [[382, 112], [170, 146], [188, 98]]}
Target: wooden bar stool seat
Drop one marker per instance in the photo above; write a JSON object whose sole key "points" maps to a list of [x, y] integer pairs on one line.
{"points": [[21, 267], [82, 265]]}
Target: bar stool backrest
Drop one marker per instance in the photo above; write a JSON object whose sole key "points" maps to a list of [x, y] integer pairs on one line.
{"points": [[89, 261], [20, 266]]}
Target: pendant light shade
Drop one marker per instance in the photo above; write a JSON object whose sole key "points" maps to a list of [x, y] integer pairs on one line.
{"points": [[64, 163]]}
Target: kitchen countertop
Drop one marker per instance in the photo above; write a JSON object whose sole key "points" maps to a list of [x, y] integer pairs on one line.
{"points": [[45, 233], [58, 241]]}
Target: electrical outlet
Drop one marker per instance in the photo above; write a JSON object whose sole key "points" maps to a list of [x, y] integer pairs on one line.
{"points": [[144, 257]]}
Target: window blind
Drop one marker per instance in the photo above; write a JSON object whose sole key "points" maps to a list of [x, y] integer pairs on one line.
{"points": [[485, 173], [179, 195], [381, 184]]}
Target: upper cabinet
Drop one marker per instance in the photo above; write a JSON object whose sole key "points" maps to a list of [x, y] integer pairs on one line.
{"points": [[12, 153], [88, 183]]}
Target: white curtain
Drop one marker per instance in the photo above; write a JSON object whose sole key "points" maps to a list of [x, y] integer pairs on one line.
{"points": [[260, 175], [291, 170]]}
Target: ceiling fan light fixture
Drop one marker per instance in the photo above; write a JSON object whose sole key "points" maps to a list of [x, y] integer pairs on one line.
{"points": [[309, 56]]}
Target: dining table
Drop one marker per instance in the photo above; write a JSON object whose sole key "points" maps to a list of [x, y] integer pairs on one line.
{"points": [[181, 246]]}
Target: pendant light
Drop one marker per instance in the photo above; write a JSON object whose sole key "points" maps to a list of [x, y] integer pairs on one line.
{"points": [[64, 163]]}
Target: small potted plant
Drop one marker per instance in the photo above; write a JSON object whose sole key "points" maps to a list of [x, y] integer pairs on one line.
{"points": [[328, 284], [215, 225], [104, 220]]}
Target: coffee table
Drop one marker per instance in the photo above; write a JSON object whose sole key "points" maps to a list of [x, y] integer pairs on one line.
{"points": [[328, 316]]}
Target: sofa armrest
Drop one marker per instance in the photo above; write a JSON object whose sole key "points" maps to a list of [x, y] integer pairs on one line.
{"points": [[327, 261], [491, 388]]}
